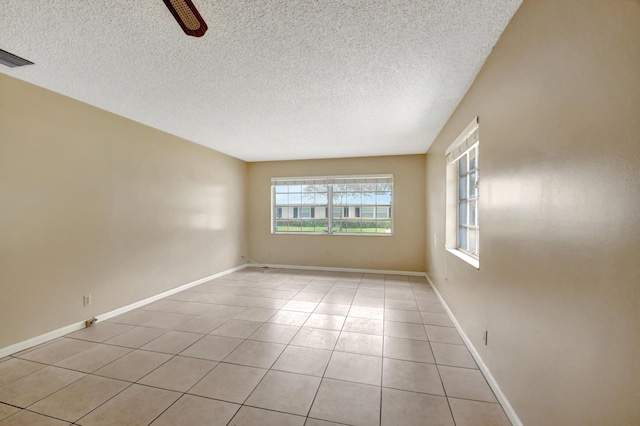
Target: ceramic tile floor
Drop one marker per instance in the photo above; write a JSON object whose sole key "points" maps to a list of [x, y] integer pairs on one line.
{"points": [[259, 347]]}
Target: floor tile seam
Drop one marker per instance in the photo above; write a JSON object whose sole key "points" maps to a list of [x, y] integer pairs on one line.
{"points": [[448, 343], [405, 322], [324, 372], [129, 384], [138, 347], [443, 394], [329, 421], [47, 365], [245, 404], [146, 350], [406, 360], [444, 390], [44, 415], [28, 360], [496, 402], [464, 368], [68, 336], [20, 378], [355, 353], [38, 346], [172, 356], [299, 374], [169, 406], [138, 382], [261, 379], [486, 382], [188, 392], [271, 341], [176, 354], [352, 381], [92, 371], [12, 405]]}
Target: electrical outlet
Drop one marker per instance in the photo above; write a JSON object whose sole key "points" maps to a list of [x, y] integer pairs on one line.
{"points": [[86, 300], [485, 337]]}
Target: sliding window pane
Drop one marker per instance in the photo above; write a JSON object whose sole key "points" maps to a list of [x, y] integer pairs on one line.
{"points": [[462, 188], [472, 185], [472, 158], [295, 198], [473, 240], [383, 197], [462, 238], [462, 213], [473, 213], [321, 198], [322, 225], [368, 198], [462, 165], [354, 198]]}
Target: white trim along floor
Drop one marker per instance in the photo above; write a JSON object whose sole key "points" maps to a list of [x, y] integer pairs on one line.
{"points": [[259, 346]]}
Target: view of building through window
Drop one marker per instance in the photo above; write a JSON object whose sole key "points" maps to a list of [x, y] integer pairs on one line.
{"points": [[358, 204]]}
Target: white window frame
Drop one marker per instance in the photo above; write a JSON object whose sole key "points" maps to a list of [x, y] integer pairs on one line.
{"points": [[335, 210], [468, 139]]}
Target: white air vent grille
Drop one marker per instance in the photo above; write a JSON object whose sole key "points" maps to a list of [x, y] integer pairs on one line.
{"points": [[12, 60]]}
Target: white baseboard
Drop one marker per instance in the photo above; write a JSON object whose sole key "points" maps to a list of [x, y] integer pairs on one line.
{"points": [[152, 299], [43, 338], [508, 409], [38, 340], [328, 268]]}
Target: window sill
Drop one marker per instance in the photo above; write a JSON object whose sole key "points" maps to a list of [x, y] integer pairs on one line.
{"points": [[351, 234], [470, 260]]}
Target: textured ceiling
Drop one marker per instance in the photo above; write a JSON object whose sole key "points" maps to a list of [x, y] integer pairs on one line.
{"points": [[271, 79]]}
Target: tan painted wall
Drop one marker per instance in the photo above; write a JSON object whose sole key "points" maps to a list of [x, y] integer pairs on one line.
{"points": [[403, 251], [559, 280], [92, 203]]}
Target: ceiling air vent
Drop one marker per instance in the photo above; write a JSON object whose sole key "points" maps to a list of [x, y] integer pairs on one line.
{"points": [[12, 60]]}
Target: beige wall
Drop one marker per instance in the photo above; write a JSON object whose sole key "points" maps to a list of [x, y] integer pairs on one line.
{"points": [[92, 203], [559, 280], [404, 251]]}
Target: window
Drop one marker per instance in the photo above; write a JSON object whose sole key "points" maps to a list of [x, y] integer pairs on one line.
{"points": [[358, 205], [463, 230], [468, 201]]}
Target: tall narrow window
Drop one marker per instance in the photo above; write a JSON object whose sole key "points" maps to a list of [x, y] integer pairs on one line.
{"points": [[468, 201], [463, 192], [333, 204]]}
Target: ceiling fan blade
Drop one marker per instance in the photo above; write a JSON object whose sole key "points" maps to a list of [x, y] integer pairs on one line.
{"points": [[187, 16]]}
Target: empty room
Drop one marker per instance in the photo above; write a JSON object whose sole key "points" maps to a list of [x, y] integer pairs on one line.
{"points": [[319, 213]]}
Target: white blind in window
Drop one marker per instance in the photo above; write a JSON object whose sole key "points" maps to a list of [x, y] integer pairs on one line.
{"points": [[328, 180], [466, 140]]}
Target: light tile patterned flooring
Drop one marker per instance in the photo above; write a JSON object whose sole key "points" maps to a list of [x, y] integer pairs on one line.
{"points": [[260, 347]]}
